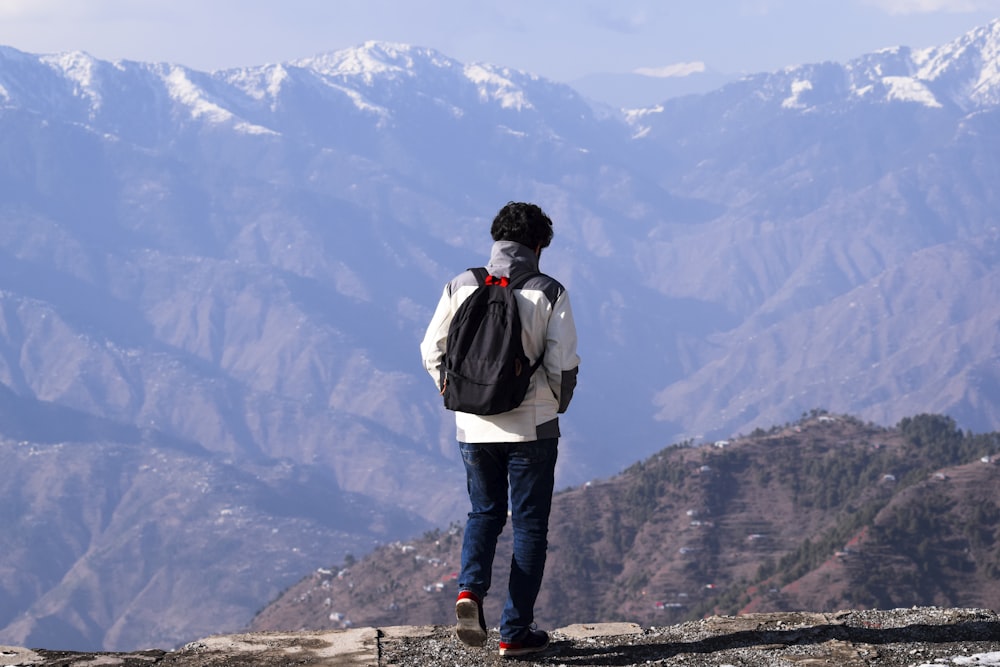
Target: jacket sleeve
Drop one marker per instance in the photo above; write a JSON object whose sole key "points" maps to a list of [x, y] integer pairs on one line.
{"points": [[561, 360], [436, 337]]}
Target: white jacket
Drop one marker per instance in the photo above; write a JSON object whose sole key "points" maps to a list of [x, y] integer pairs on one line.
{"points": [[546, 322]]}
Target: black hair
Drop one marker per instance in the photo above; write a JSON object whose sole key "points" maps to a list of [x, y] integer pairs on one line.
{"points": [[525, 223]]}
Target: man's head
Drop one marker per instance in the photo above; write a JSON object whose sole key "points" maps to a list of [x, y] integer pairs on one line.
{"points": [[525, 223]]}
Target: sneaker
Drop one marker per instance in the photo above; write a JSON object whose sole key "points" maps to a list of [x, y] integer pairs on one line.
{"points": [[532, 642], [471, 628]]}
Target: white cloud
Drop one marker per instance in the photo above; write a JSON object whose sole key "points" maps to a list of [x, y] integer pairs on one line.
{"points": [[898, 7], [675, 70]]}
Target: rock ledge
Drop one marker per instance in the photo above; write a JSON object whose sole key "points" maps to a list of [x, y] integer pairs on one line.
{"points": [[917, 637]]}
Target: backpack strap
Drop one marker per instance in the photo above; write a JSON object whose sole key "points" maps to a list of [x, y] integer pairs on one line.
{"points": [[516, 283], [481, 274]]}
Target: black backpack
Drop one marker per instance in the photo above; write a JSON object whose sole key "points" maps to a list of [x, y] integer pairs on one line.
{"points": [[485, 370]]}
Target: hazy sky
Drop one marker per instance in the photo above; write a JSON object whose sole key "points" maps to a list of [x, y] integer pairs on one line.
{"points": [[557, 39]]}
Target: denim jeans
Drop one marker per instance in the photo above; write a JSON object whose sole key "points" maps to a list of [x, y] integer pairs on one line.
{"points": [[527, 469]]}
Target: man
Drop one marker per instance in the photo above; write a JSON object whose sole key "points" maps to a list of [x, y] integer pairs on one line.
{"points": [[515, 449]]}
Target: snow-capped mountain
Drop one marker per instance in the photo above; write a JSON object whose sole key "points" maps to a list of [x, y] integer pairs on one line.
{"points": [[212, 287]]}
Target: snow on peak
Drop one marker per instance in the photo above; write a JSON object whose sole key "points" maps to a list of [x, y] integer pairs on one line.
{"points": [[964, 73], [799, 86], [354, 71], [261, 83], [79, 68], [497, 85], [375, 60], [909, 89], [183, 90], [677, 70], [973, 60]]}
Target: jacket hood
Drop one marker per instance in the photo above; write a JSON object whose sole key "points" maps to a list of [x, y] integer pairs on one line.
{"points": [[508, 258]]}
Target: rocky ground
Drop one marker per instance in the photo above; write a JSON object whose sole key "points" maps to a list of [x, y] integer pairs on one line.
{"points": [[918, 637]]}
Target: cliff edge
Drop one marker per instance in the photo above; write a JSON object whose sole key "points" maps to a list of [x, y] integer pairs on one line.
{"points": [[917, 637]]}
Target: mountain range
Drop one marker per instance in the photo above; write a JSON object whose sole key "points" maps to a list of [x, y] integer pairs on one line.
{"points": [[212, 287]]}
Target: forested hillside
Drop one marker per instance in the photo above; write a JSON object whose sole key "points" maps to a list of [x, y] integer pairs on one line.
{"points": [[822, 514]]}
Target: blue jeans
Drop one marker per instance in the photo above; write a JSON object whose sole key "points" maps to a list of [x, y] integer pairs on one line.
{"points": [[529, 467]]}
